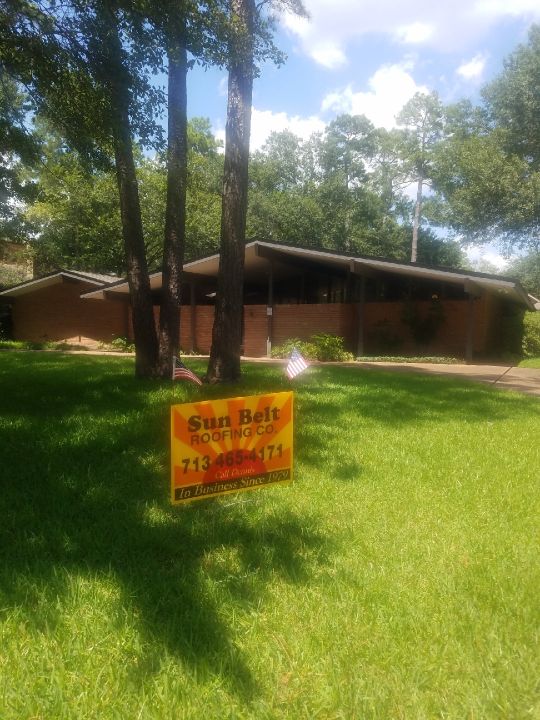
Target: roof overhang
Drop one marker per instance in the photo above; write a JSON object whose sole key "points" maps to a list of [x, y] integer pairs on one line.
{"points": [[285, 261], [53, 279]]}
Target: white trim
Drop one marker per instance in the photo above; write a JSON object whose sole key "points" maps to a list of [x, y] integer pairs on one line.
{"points": [[29, 285]]}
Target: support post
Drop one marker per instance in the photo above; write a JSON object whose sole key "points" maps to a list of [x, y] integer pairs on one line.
{"points": [[269, 310], [361, 304], [469, 348], [193, 317]]}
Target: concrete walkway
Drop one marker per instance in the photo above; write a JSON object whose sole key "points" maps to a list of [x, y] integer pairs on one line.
{"points": [[525, 380]]}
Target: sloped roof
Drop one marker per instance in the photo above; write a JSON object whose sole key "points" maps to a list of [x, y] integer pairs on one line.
{"points": [[258, 253], [98, 279]]}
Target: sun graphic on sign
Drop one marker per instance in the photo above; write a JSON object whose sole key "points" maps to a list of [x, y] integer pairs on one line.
{"points": [[222, 442]]}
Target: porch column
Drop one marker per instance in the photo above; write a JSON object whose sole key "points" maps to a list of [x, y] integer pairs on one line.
{"points": [[193, 317], [469, 346], [269, 309], [360, 344]]}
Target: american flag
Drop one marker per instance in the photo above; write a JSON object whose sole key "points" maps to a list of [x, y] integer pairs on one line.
{"points": [[181, 372], [296, 364]]}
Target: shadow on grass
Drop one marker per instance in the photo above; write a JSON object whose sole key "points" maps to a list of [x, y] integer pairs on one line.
{"points": [[83, 488], [84, 478], [330, 399]]}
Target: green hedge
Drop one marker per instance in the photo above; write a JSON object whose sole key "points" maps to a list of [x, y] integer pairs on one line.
{"points": [[531, 335]]}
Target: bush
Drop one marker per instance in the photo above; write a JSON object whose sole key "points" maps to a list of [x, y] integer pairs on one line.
{"points": [[531, 335], [330, 347], [321, 346], [119, 344], [307, 349]]}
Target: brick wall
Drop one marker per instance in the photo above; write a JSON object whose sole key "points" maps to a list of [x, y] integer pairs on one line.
{"points": [[383, 323], [487, 324], [302, 321], [255, 324], [57, 313], [204, 320], [255, 330]]}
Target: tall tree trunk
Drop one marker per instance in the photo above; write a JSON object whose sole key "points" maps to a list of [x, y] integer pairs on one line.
{"points": [[224, 363], [175, 212], [144, 329], [416, 219]]}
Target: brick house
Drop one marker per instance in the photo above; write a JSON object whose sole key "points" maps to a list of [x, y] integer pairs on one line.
{"points": [[51, 309], [378, 306]]}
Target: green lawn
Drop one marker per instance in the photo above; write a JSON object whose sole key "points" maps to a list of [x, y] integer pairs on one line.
{"points": [[397, 577], [530, 363]]}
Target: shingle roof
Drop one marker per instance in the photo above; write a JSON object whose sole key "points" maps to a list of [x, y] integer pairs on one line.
{"points": [[98, 279]]}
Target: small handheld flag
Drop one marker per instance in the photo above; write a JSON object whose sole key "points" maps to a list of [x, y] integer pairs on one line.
{"points": [[296, 364], [181, 372]]}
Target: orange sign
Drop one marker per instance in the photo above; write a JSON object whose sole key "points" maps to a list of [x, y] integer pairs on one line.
{"points": [[223, 446]]}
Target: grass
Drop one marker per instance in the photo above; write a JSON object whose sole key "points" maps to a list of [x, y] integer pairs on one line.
{"points": [[530, 363], [397, 577], [31, 345]]}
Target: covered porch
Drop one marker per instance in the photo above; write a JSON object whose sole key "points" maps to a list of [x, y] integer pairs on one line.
{"points": [[378, 306]]}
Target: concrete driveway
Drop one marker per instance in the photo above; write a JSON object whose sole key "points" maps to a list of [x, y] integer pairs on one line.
{"points": [[525, 380]]}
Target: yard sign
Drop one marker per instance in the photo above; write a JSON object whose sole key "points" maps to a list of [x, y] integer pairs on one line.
{"points": [[223, 446]]}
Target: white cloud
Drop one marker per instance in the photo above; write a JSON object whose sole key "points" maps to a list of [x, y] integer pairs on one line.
{"points": [[485, 258], [503, 8], [473, 69], [446, 26], [415, 33], [329, 55], [223, 86], [263, 122], [390, 87]]}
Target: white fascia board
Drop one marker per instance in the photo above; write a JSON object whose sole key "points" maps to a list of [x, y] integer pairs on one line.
{"points": [[32, 285]]}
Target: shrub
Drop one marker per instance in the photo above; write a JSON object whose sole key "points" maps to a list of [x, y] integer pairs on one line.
{"points": [[531, 334], [119, 344], [330, 347], [307, 349], [122, 344], [321, 346]]}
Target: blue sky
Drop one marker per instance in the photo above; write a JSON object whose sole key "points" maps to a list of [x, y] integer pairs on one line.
{"points": [[369, 57]]}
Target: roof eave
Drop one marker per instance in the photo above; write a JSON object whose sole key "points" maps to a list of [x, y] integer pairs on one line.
{"points": [[52, 279]]}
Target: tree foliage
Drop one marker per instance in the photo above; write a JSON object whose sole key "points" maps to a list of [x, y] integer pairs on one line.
{"points": [[527, 270], [19, 151], [489, 168], [422, 120]]}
